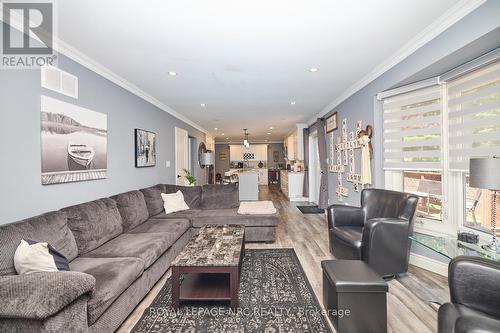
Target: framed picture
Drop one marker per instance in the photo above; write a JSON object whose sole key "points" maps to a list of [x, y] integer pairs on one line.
{"points": [[332, 123], [145, 148], [73, 142]]}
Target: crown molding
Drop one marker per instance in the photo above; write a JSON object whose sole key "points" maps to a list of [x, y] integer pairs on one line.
{"points": [[450, 17], [76, 55], [252, 142]]}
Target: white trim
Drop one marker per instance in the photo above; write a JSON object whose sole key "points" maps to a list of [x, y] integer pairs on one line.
{"points": [[252, 142], [73, 53], [409, 87], [450, 17], [429, 264], [472, 65]]}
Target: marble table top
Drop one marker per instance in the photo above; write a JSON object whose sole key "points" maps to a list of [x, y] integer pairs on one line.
{"points": [[215, 245]]}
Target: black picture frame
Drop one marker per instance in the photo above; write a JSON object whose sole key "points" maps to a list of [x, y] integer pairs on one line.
{"points": [[145, 148], [332, 122]]}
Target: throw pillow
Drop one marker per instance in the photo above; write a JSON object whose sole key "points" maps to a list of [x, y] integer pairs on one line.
{"points": [[174, 202], [31, 257]]}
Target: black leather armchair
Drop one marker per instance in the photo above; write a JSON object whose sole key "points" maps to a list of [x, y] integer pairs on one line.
{"points": [[377, 232], [475, 297]]}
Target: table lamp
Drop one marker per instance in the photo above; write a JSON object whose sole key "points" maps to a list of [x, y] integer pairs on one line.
{"points": [[485, 174]]}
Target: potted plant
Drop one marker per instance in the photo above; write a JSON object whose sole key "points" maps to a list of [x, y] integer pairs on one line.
{"points": [[189, 177]]}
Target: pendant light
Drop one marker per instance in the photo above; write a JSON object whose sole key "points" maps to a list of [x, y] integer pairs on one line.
{"points": [[245, 141]]}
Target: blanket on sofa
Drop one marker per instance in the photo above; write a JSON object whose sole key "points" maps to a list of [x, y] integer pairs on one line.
{"points": [[256, 208]]}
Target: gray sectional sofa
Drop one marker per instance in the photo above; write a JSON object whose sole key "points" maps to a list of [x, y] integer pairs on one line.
{"points": [[118, 248]]}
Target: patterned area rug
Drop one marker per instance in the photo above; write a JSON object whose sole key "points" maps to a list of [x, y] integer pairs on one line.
{"points": [[274, 296]]}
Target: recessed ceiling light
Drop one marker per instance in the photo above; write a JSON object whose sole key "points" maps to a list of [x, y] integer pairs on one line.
{"points": [[215, 128], [271, 127], [268, 133], [202, 105], [172, 73], [292, 102], [222, 134], [227, 138], [314, 69]]}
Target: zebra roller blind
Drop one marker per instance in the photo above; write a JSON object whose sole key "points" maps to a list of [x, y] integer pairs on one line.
{"points": [[412, 130], [474, 116]]}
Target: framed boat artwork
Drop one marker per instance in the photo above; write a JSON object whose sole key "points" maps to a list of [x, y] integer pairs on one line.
{"points": [[145, 148], [73, 142]]}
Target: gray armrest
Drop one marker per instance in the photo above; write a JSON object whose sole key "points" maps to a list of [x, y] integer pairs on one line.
{"points": [[473, 324], [474, 282], [41, 295], [342, 215]]}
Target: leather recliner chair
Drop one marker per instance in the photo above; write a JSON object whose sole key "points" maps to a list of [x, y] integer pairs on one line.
{"points": [[475, 297], [377, 232]]}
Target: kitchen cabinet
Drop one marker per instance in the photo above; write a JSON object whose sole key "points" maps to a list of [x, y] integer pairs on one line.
{"points": [[291, 184], [253, 153], [294, 143]]}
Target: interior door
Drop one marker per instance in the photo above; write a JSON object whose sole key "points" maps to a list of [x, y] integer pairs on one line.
{"points": [[181, 155]]}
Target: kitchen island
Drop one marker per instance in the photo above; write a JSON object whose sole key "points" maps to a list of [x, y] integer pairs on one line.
{"points": [[248, 180]]}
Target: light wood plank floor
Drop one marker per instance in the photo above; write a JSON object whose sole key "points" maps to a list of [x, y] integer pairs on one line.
{"points": [[409, 304]]}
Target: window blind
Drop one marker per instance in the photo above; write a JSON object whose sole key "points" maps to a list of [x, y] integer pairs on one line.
{"points": [[474, 116], [412, 130]]}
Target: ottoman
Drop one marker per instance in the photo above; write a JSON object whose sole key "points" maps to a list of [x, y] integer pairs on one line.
{"points": [[354, 296]]}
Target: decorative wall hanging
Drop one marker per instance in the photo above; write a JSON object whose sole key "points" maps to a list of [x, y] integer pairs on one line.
{"points": [[145, 148], [73, 142], [332, 123], [343, 157], [222, 156]]}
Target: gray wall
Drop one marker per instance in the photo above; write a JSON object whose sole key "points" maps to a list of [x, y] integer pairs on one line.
{"points": [[21, 192], [363, 105], [221, 166], [271, 148]]}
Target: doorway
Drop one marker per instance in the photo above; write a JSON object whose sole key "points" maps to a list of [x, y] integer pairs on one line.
{"points": [[314, 168], [181, 155]]}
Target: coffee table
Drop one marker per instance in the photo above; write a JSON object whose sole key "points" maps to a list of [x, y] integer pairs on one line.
{"points": [[209, 266]]}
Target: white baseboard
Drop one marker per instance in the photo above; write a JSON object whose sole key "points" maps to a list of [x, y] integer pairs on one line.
{"points": [[429, 264]]}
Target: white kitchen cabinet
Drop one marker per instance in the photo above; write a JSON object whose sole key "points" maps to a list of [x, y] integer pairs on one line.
{"points": [[292, 184], [254, 152], [294, 143], [236, 153]]}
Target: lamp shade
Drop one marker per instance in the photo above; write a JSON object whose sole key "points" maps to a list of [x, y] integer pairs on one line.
{"points": [[485, 173], [207, 158]]}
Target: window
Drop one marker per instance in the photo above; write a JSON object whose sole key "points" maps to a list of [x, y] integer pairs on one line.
{"points": [[478, 205], [431, 130], [427, 185]]}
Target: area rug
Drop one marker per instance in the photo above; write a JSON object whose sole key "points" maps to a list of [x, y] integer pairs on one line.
{"points": [[311, 209], [274, 296]]}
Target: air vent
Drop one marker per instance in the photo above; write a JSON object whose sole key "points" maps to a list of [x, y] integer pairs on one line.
{"points": [[59, 81]]}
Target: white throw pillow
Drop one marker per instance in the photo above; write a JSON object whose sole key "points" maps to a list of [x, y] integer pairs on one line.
{"points": [[174, 202], [31, 257]]}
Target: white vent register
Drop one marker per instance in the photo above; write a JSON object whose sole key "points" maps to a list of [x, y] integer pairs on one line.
{"points": [[59, 81]]}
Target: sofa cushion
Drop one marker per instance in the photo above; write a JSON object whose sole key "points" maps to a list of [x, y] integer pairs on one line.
{"points": [[231, 216], [146, 246], [219, 196], [192, 194], [183, 214], [94, 223], [154, 202], [132, 208], [50, 227], [113, 276], [176, 227]]}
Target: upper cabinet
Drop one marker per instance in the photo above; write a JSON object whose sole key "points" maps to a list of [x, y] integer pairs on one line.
{"points": [[256, 152], [294, 143]]}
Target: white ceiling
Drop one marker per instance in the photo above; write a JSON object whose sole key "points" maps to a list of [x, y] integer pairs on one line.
{"points": [[246, 60]]}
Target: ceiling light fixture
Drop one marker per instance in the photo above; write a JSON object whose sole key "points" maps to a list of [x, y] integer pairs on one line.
{"points": [[215, 128], [202, 105], [245, 142], [313, 70], [222, 134], [172, 73], [292, 102], [268, 133], [270, 127]]}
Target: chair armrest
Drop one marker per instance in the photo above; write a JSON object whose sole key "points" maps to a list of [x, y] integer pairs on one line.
{"points": [[41, 295], [386, 244], [475, 282], [470, 324], [342, 215]]}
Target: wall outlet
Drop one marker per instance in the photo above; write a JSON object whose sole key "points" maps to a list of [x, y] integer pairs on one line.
{"points": [[167, 164]]}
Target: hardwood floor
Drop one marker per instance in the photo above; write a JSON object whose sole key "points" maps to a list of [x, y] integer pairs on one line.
{"points": [[409, 302]]}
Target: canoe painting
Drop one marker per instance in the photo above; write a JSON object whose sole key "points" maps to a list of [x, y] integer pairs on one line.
{"points": [[74, 142]]}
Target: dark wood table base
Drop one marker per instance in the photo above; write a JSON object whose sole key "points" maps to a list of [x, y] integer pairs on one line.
{"points": [[205, 284]]}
